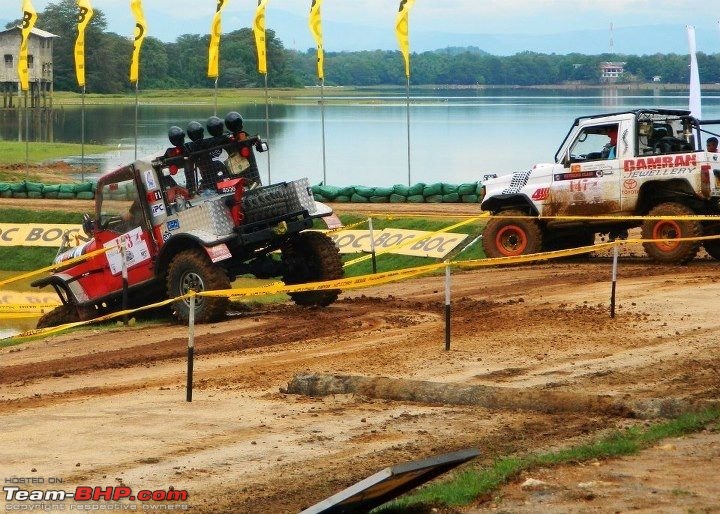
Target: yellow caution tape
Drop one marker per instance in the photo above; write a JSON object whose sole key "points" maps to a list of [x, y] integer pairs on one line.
{"points": [[54, 267]]}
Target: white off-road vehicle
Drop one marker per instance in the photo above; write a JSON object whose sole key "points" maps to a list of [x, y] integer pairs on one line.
{"points": [[647, 162]]}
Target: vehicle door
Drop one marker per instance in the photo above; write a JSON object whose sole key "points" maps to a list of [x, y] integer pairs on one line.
{"points": [[586, 181]]}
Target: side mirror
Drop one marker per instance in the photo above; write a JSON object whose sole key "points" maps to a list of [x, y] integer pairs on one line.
{"points": [[261, 146], [87, 225]]}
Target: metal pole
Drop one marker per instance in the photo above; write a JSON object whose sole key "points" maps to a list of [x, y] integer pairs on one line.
{"points": [[191, 348], [27, 137], [407, 90], [372, 245], [136, 117], [614, 280], [447, 306], [267, 125], [123, 255], [322, 120], [82, 134], [216, 81]]}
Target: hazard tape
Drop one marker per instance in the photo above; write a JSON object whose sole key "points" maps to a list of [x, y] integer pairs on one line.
{"points": [[54, 267], [346, 227]]}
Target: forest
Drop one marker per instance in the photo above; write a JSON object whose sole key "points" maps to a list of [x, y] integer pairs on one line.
{"points": [[183, 63]]}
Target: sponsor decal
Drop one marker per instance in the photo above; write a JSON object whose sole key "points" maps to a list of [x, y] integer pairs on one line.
{"points": [[154, 196], [435, 245], [575, 175], [660, 162], [541, 194], [218, 253], [173, 225], [659, 173], [158, 210], [150, 182], [136, 251], [27, 234]]}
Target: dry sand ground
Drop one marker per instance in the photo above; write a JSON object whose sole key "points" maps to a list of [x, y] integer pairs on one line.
{"points": [[107, 407]]}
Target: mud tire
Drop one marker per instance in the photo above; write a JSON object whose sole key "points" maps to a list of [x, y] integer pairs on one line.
{"points": [[505, 237], [192, 269], [312, 257], [60, 315], [671, 253]]}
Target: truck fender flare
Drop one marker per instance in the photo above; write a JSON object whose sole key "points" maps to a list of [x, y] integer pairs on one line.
{"points": [[506, 201], [68, 283], [172, 247], [657, 191]]}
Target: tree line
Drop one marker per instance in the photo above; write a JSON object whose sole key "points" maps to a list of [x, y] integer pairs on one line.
{"points": [[183, 63]]}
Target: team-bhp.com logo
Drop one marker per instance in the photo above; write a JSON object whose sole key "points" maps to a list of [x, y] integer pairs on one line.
{"points": [[84, 497]]}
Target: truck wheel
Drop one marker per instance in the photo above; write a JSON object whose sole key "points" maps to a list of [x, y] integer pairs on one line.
{"points": [[505, 237], [193, 270], [59, 316], [671, 252], [312, 257]]}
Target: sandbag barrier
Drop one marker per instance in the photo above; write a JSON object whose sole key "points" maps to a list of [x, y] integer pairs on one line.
{"points": [[362, 281], [438, 192], [28, 189]]}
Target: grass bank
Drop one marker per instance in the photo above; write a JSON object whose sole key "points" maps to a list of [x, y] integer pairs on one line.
{"points": [[475, 482], [13, 152]]}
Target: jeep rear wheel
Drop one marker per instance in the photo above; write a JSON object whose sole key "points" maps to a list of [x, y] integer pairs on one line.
{"points": [[669, 251], [507, 237], [312, 257], [193, 270], [67, 313]]}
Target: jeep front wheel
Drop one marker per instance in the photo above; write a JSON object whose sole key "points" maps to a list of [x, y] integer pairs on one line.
{"points": [[60, 315], [312, 257], [193, 270], [509, 237], [670, 251]]}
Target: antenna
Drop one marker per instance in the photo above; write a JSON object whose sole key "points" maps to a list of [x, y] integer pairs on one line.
{"points": [[612, 43]]}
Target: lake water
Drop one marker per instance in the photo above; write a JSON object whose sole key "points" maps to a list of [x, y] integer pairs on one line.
{"points": [[455, 135]]}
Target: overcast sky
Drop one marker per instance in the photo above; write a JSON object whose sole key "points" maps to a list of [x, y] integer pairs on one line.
{"points": [[168, 19]]}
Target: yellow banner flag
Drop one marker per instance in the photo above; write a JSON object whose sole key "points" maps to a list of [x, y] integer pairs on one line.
{"points": [[28, 22], [214, 50], [85, 14], [315, 24], [402, 32], [140, 30], [259, 31]]}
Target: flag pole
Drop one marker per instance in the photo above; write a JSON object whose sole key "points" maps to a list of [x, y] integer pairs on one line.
{"points": [[267, 125], [322, 122], [82, 135], [216, 91], [407, 91], [136, 117], [27, 137]]}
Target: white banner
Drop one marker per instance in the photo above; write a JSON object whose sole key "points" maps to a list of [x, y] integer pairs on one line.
{"points": [[396, 241]]}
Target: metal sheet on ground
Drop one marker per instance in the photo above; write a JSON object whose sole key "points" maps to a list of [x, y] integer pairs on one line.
{"points": [[390, 483]]}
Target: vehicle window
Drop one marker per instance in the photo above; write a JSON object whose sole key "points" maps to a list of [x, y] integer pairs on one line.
{"points": [[595, 143]]}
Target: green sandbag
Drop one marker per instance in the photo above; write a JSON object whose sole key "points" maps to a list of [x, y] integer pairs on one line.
{"points": [[66, 196], [346, 191], [319, 198], [416, 199], [34, 187], [434, 199], [398, 198], [451, 198], [6, 194], [416, 189], [342, 199], [52, 188], [51, 195], [356, 198], [448, 189], [478, 190], [34, 194], [432, 189], [83, 187], [4, 186], [114, 195], [383, 191], [85, 195], [470, 198], [378, 199], [22, 194], [467, 189], [67, 188], [329, 192], [367, 192], [402, 190], [18, 187]]}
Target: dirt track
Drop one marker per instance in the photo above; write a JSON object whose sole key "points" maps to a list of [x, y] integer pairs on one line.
{"points": [[103, 408]]}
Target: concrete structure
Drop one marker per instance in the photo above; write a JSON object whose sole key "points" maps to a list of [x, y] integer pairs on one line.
{"points": [[611, 71], [40, 65]]}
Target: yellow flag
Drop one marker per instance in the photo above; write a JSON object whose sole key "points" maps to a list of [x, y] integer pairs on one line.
{"points": [[215, 31], [402, 32], [140, 30], [85, 14], [315, 24], [28, 22], [259, 31]]}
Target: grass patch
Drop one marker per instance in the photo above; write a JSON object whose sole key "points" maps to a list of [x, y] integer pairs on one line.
{"points": [[470, 484], [13, 152]]}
